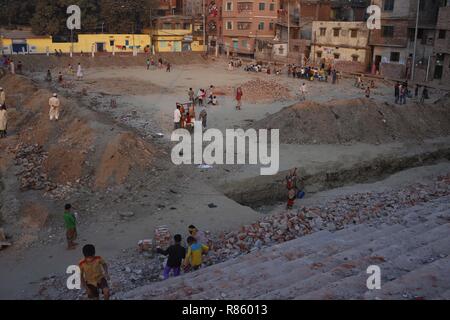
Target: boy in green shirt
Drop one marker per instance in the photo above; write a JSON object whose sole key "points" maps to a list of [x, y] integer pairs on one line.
{"points": [[70, 223]]}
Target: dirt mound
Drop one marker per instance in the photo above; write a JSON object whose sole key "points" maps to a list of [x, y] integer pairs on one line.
{"points": [[258, 90], [66, 158], [124, 153], [358, 120], [74, 143]]}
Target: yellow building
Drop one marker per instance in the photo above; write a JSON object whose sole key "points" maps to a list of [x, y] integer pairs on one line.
{"points": [[177, 34], [85, 43]]}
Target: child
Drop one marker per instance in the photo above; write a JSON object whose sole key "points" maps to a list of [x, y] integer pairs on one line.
{"points": [[203, 116], [176, 255], [194, 255], [214, 101], [70, 223], [94, 273], [148, 64]]}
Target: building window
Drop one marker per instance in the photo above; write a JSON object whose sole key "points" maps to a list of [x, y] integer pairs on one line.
{"points": [[229, 25], [244, 44], [261, 26], [229, 6], [127, 42], [441, 34], [262, 6], [186, 26], [354, 33], [177, 26], [323, 32], [395, 57], [388, 31], [389, 5], [336, 55], [243, 25], [270, 25], [336, 32], [111, 43], [272, 6], [355, 57], [245, 6], [319, 54], [200, 42]]}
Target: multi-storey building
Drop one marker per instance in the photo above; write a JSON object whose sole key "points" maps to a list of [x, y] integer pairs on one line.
{"points": [[341, 43], [167, 8], [300, 15], [214, 25], [393, 45], [177, 34], [438, 69], [245, 22]]}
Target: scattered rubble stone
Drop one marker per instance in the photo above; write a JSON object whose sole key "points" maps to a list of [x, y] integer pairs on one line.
{"points": [[31, 176]]}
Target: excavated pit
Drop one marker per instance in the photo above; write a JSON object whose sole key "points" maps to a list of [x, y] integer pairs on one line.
{"points": [[269, 190]]}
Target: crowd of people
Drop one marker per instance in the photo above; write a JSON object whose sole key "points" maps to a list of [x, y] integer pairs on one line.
{"points": [[185, 115], [94, 270]]}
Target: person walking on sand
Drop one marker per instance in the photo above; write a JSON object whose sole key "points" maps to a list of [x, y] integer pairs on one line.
{"points": [[19, 67], [203, 117], [200, 97], [94, 274], [168, 67], [303, 91], [191, 95], [148, 64], [54, 104], [3, 120], [424, 95], [403, 94], [367, 92], [239, 95], [177, 118], [79, 72], [397, 92], [194, 256], [334, 76], [70, 223], [2, 97], [176, 253], [48, 77], [12, 67], [70, 70]]}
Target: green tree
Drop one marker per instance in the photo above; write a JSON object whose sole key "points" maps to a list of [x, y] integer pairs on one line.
{"points": [[126, 16], [16, 13], [51, 16]]}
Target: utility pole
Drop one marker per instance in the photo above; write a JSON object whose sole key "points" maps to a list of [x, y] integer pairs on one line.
{"points": [[289, 26], [413, 64], [71, 41], [204, 26]]}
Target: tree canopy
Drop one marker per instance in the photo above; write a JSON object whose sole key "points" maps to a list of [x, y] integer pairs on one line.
{"points": [[49, 16]]}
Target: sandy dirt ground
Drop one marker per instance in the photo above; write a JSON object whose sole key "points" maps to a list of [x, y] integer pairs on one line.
{"points": [[164, 195]]}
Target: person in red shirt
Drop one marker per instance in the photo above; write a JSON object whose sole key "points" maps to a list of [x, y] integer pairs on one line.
{"points": [[239, 98]]}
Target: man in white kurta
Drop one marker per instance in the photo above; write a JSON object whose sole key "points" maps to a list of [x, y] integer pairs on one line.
{"points": [[54, 104], [2, 97]]}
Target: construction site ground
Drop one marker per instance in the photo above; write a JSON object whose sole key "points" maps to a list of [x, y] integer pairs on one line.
{"points": [[112, 160]]}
